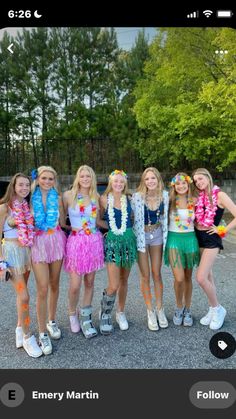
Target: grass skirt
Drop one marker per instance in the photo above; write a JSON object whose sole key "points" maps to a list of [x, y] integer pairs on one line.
{"points": [[48, 248], [121, 249], [84, 253], [182, 250], [18, 257]]}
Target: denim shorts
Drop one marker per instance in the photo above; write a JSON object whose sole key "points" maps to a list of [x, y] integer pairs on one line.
{"points": [[154, 238]]}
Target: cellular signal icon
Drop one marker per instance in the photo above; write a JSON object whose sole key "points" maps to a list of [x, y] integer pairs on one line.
{"points": [[193, 14]]}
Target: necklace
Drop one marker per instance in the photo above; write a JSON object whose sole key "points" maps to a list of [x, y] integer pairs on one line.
{"points": [[184, 226], [111, 214], [45, 219], [158, 212], [24, 222], [205, 211], [87, 220]]}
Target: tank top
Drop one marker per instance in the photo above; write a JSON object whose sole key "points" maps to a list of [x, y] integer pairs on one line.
{"points": [[154, 215], [183, 216], [9, 232], [118, 216], [76, 219], [218, 215]]}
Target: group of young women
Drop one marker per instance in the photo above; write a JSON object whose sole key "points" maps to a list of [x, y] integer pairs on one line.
{"points": [[184, 224]]}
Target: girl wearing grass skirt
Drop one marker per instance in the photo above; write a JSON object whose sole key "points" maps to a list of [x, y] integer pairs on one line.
{"points": [[17, 225], [182, 250], [84, 249], [120, 249], [47, 251]]}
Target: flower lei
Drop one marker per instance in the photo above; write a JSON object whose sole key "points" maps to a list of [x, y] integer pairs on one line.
{"points": [[179, 178], [86, 223], [111, 214], [24, 222], [118, 172], [205, 212], [190, 215], [45, 220]]}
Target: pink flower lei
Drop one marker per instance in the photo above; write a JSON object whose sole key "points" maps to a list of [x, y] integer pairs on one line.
{"points": [[24, 222], [205, 211]]}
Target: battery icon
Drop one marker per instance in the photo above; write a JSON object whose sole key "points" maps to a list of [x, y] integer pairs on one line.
{"points": [[224, 13]]}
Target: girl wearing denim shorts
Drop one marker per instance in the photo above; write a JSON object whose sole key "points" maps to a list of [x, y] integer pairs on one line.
{"points": [[150, 206]]}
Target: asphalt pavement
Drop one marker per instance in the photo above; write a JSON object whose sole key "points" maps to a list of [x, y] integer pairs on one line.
{"points": [[138, 347]]}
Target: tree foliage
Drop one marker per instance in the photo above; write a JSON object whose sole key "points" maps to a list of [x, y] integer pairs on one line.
{"points": [[186, 102]]}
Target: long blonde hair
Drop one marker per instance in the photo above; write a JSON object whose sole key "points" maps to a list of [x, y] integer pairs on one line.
{"points": [[40, 170], [204, 172], [93, 194], [109, 186], [10, 192], [173, 193], [142, 187]]}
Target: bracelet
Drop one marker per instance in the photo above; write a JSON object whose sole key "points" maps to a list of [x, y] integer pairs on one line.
{"points": [[3, 265], [221, 231]]}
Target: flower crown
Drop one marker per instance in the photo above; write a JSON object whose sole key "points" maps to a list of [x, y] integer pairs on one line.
{"points": [[34, 174], [179, 178], [118, 172]]}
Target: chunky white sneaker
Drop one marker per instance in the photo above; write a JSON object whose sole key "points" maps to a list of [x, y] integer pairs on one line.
{"points": [[152, 320], [45, 343], [218, 317], [162, 320], [53, 329], [121, 320], [31, 347], [19, 337], [206, 320]]}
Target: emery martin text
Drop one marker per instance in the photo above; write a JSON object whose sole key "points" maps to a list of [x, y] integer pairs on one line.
{"points": [[36, 395]]}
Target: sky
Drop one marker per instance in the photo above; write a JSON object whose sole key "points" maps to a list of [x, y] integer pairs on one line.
{"points": [[125, 35]]}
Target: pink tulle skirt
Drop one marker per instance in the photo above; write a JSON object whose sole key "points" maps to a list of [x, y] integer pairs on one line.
{"points": [[48, 247], [84, 253]]}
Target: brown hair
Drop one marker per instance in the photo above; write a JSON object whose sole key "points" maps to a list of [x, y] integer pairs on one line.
{"points": [[10, 192], [173, 194]]}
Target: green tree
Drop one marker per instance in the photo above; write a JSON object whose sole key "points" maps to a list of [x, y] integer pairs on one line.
{"points": [[186, 101]]}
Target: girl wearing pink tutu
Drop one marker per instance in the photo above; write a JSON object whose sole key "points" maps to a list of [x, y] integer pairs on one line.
{"points": [[84, 249], [16, 223], [47, 251]]}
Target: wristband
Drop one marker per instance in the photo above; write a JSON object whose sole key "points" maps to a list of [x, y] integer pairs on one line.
{"points": [[221, 231], [3, 265]]}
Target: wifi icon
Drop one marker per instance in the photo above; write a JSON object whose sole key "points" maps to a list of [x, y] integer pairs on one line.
{"points": [[207, 13]]}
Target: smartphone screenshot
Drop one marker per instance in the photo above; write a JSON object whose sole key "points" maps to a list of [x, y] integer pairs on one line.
{"points": [[118, 211]]}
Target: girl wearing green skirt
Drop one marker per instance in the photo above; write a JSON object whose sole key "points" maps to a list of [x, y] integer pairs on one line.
{"points": [[120, 249], [182, 250]]}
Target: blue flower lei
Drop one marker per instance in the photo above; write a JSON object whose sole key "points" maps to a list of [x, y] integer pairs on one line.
{"points": [[45, 220]]}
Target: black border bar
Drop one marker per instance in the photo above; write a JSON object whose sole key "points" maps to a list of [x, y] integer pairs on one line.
{"points": [[150, 14]]}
